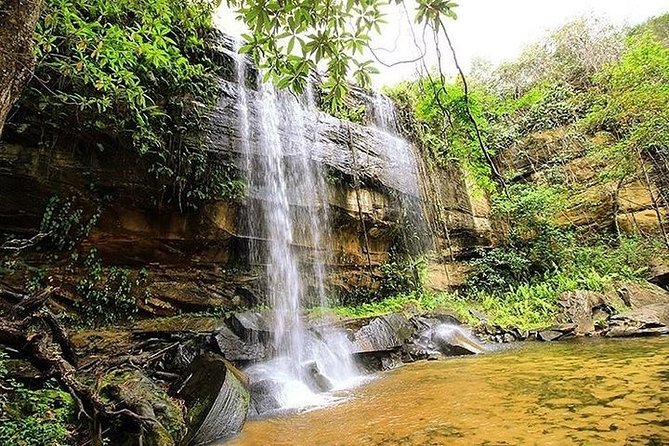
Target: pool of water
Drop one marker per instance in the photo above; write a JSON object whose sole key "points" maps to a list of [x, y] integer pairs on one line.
{"points": [[587, 392]]}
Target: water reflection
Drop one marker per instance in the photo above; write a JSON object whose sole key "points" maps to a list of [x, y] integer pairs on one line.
{"points": [[582, 393]]}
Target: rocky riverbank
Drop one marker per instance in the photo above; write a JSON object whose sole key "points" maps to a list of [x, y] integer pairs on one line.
{"points": [[185, 372]]}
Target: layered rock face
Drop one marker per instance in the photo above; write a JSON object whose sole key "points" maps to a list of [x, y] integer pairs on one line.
{"points": [[199, 259], [561, 156]]}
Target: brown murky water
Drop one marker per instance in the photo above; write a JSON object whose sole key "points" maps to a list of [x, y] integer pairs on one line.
{"points": [[588, 392]]}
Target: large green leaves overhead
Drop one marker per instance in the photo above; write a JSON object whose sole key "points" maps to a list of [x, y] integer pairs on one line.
{"points": [[289, 39]]}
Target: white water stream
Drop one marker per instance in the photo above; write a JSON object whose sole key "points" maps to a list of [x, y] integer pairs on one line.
{"points": [[287, 229], [288, 213]]}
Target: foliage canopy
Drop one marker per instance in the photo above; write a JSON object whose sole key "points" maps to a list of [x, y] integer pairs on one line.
{"points": [[137, 72], [289, 39]]}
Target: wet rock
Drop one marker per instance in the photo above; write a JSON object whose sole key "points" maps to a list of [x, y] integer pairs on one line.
{"points": [[645, 321], [315, 379], [414, 351], [549, 335], [217, 399], [383, 334], [639, 295], [390, 362], [141, 395], [402, 327], [239, 351], [251, 326], [557, 333], [499, 335], [520, 335], [430, 320], [450, 340], [263, 397], [371, 362], [179, 358], [338, 145], [658, 274], [579, 308]]}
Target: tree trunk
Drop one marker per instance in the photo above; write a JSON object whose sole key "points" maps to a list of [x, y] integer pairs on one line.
{"points": [[17, 25]]}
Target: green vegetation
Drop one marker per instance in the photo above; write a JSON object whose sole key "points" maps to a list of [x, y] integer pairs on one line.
{"points": [[43, 417], [632, 95], [447, 130], [530, 302], [65, 223], [585, 77], [353, 113], [532, 243], [396, 277], [107, 295], [134, 74], [289, 39]]}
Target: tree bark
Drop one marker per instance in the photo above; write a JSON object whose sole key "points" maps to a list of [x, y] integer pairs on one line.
{"points": [[17, 25]]}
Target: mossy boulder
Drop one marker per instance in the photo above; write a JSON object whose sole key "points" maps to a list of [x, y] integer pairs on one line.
{"points": [[217, 400], [143, 396]]}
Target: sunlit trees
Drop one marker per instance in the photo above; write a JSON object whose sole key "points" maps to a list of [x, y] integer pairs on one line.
{"points": [[289, 39], [632, 98], [571, 54]]}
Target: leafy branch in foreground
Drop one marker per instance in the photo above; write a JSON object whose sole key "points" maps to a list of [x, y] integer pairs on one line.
{"points": [[289, 39]]}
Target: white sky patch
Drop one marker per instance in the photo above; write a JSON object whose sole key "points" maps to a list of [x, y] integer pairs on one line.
{"points": [[493, 30]]}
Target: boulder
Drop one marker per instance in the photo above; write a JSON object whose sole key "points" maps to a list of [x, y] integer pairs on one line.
{"points": [[373, 362], [239, 351], [580, 307], [645, 321], [383, 334], [263, 397], [557, 333], [638, 295], [315, 379], [415, 351], [658, 274], [451, 340], [251, 326], [217, 400], [429, 320], [497, 334], [141, 395]]}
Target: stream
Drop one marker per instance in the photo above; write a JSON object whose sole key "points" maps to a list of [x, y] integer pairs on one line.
{"points": [[582, 392]]}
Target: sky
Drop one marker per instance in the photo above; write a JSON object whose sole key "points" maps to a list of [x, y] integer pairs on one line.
{"points": [[493, 30]]}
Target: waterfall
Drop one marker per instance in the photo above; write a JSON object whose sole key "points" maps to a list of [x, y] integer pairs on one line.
{"points": [[415, 233], [384, 114], [284, 281], [286, 225]]}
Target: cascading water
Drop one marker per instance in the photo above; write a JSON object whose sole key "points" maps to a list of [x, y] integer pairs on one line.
{"points": [[384, 114], [415, 233], [286, 221]]}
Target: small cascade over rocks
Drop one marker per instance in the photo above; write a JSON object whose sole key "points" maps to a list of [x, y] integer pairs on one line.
{"points": [[449, 339], [286, 218]]}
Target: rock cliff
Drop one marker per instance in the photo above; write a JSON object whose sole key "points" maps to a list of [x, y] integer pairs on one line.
{"points": [[197, 260]]}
